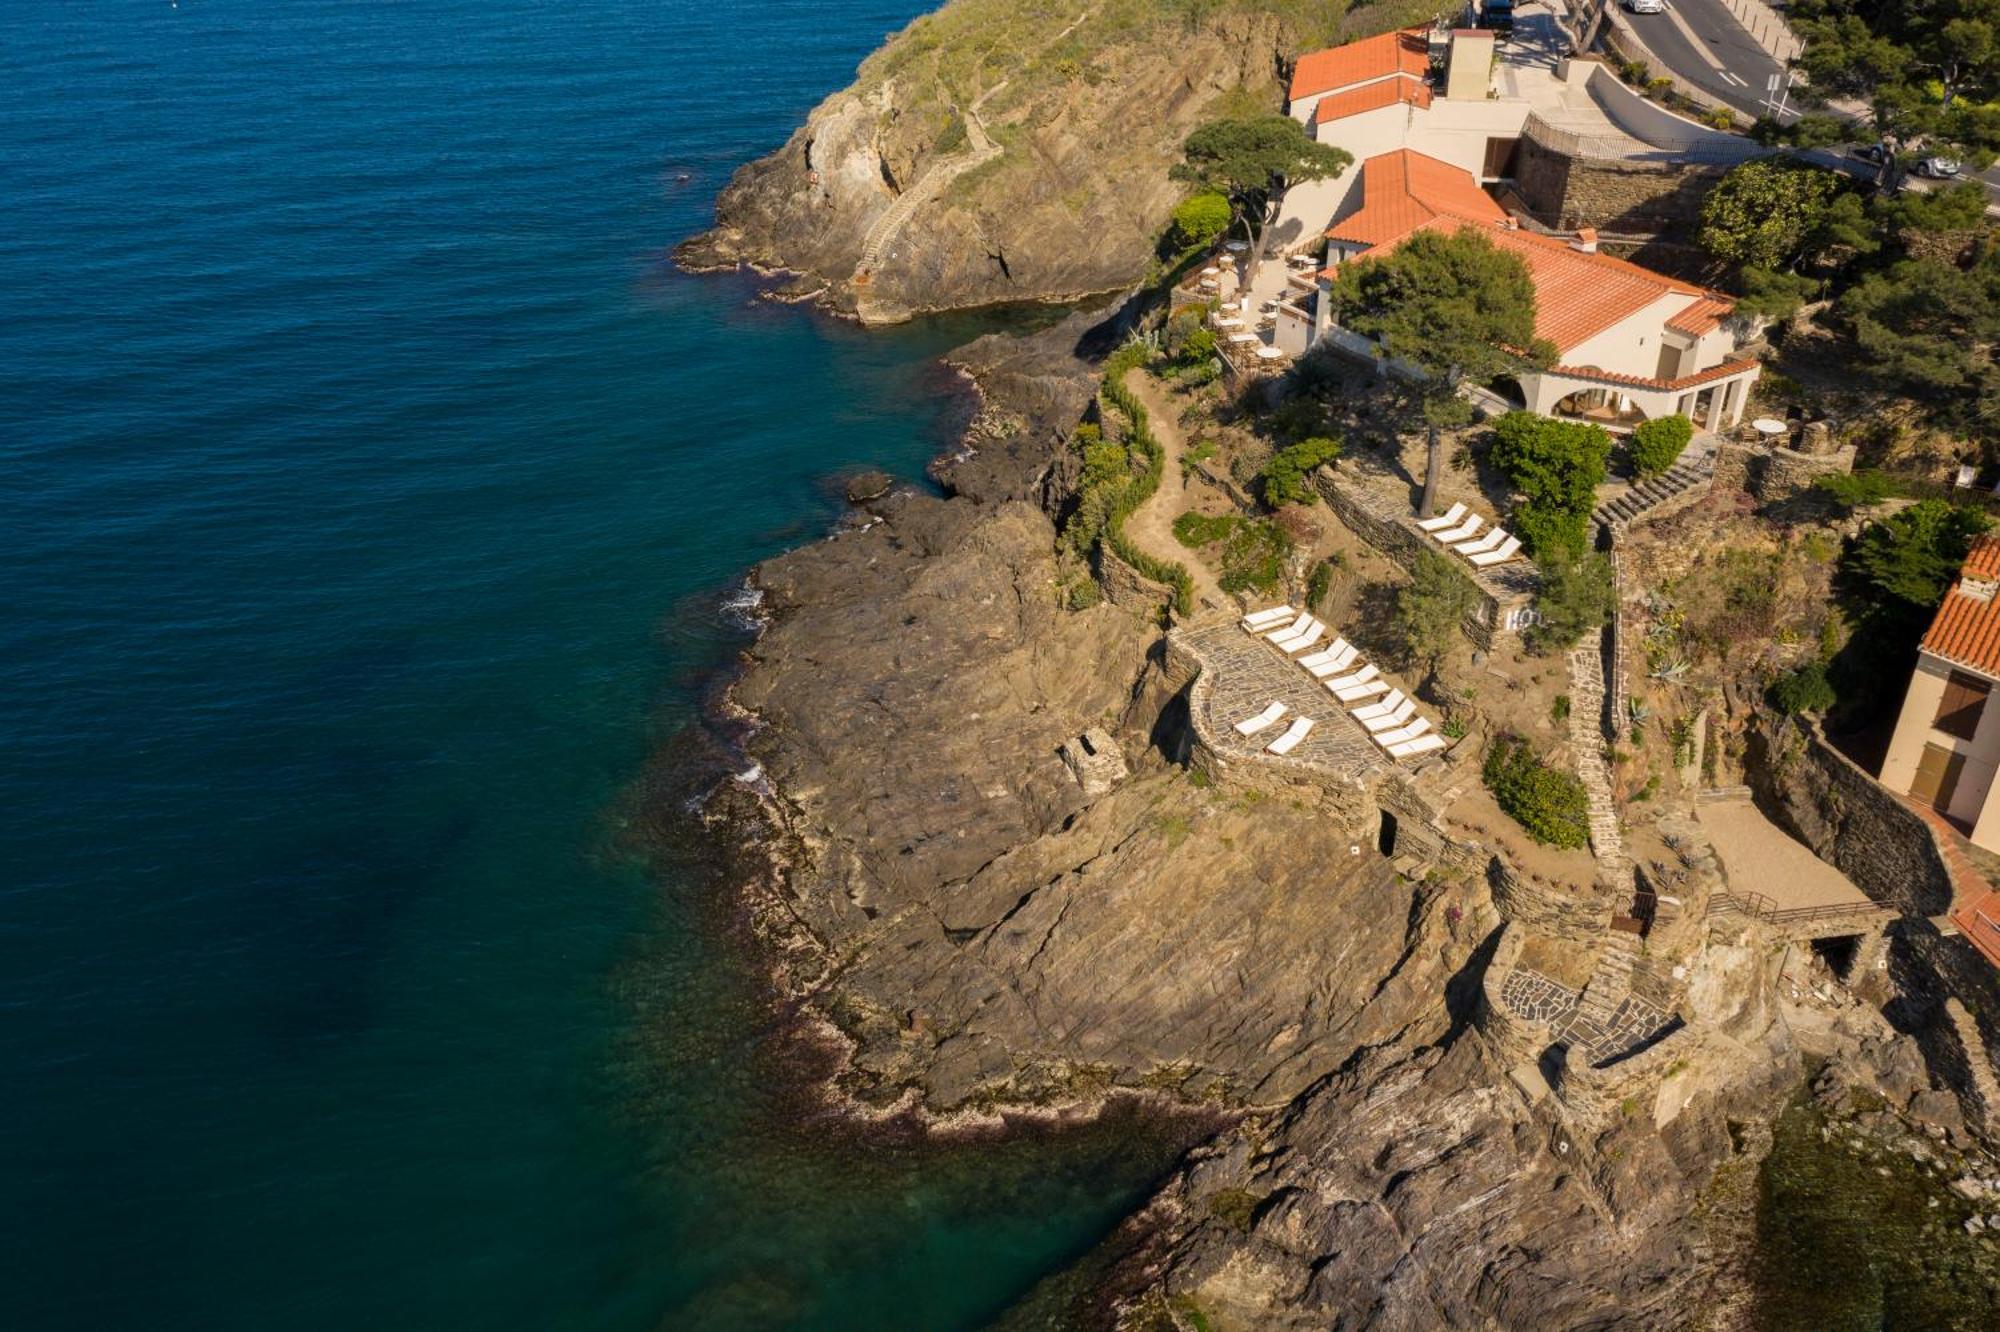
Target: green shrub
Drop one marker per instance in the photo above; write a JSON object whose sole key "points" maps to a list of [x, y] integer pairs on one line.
{"points": [[1804, 690], [1557, 466], [1254, 556], [1195, 530], [1657, 445], [1856, 490], [1284, 477], [1576, 599], [1319, 584], [1549, 803], [1105, 505], [1199, 221], [1431, 607]]}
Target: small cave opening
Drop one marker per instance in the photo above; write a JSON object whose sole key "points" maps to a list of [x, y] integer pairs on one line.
{"points": [[1385, 837], [1838, 953]]}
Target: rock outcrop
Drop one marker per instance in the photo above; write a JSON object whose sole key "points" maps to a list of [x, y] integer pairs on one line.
{"points": [[991, 152]]}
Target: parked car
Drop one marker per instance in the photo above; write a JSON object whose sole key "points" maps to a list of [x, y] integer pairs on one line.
{"points": [[1873, 152], [1938, 168], [1645, 6]]}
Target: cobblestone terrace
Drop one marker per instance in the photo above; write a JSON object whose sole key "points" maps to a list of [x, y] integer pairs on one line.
{"points": [[1245, 674], [1633, 1025]]}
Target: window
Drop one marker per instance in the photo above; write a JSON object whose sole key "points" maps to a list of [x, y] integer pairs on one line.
{"points": [[1964, 699]]}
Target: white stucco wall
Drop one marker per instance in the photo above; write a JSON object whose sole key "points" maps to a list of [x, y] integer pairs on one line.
{"points": [[1982, 752], [1632, 345]]}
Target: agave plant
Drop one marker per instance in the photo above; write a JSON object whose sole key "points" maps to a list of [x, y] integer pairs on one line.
{"points": [[1672, 669], [1638, 710]]}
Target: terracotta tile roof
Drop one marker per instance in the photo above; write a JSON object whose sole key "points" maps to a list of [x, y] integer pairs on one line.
{"points": [[1967, 630], [1373, 97], [1579, 295], [1404, 191], [1703, 315], [1377, 57], [1696, 380]]}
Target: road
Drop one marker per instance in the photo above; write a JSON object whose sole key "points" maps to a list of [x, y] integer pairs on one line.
{"points": [[1701, 41], [1704, 44]]}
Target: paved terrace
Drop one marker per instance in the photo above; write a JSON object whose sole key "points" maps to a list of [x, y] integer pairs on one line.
{"points": [[1245, 674], [1635, 1024]]}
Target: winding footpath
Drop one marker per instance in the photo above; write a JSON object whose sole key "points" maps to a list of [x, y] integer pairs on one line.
{"points": [[1152, 523]]}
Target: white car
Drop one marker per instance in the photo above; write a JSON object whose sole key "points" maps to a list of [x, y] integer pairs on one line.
{"points": [[1645, 6], [1939, 168]]}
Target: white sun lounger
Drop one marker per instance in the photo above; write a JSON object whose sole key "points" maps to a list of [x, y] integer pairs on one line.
{"points": [[1295, 627], [1390, 721], [1423, 744], [1325, 654], [1338, 662], [1266, 619], [1397, 737], [1446, 519], [1480, 545], [1299, 636], [1295, 645], [1297, 731], [1503, 553], [1473, 522], [1268, 717], [1367, 689], [1360, 676], [1369, 711]]}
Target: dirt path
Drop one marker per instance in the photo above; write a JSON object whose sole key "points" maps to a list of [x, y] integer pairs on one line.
{"points": [[1152, 525]]}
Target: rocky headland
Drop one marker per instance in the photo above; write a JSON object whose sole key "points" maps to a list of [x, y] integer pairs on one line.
{"points": [[1004, 150], [986, 914]]}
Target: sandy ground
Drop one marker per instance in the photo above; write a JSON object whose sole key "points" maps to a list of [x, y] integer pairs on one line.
{"points": [[1759, 857], [1152, 526]]}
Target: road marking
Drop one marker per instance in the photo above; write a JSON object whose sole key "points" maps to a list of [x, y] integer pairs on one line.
{"points": [[1741, 83]]}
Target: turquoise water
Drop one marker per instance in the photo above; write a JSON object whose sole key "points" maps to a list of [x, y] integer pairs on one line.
{"points": [[373, 487]]}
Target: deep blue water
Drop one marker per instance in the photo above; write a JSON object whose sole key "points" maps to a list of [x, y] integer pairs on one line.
{"points": [[370, 486]]}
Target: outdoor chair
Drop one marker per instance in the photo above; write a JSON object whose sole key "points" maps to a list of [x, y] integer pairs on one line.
{"points": [[1268, 717], [1448, 518], [1297, 731]]}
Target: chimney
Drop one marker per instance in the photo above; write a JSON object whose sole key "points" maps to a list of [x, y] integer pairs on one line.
{"points": [[1586, 240]]}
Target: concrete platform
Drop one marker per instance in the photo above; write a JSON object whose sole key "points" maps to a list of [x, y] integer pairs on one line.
{"points": [[1760, 857]]}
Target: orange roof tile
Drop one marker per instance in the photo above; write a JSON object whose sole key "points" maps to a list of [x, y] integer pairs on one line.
{"points": [[1373, 97], [1967, 630], [1696, 380], [1704, 314], [1404, 191], [1578, 294], [1377, 57]]}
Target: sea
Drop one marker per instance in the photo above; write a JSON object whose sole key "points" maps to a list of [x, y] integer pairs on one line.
{"points": [[374, 503]]}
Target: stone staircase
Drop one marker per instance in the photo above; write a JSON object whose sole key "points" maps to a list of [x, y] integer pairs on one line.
{"points": [[1611, 981], [1651, 493], [1586, 737]]}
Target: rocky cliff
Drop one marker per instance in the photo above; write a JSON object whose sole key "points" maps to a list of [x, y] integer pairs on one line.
{"points": [[1005, 150]]}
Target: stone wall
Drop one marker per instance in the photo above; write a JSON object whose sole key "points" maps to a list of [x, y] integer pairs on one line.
{"points": [[1515, 1039], [1852, 821], [1127, 588], [1593, 1095], [1558, 908], [1626, 197], [1509, 587], [1774, 474], [1955, 992]]}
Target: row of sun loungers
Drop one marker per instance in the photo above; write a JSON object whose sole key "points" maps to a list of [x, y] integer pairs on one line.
{"points": [[1388, 715], [1457, 530]]}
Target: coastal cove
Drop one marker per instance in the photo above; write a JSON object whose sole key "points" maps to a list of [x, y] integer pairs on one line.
{"points": [[381, 496]]}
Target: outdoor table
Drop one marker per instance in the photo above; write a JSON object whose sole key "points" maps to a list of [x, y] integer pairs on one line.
{"points": [[1268, 353], [1768, 430], [1211, 271]]}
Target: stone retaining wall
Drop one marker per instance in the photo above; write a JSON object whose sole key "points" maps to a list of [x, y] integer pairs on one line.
{"points": [[1515, 1039], [1565, 192], [1594, 1095], [1772, 474], [1127, 588], [1854, 822], [1572, 911], [1510, 588]]}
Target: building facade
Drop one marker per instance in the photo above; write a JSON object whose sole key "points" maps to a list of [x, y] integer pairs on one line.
{"points": [[1947, 741]]}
